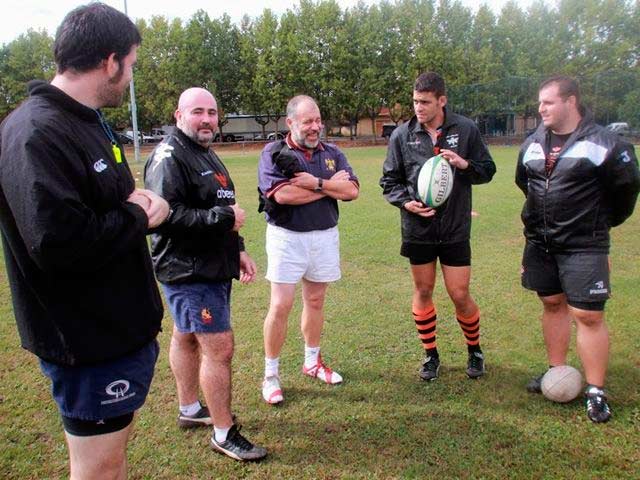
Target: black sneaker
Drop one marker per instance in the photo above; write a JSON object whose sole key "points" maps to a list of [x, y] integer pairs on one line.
{"points": [[598, 410], [430, 369], [238, 447], [535, 384], [201, 418], [475, 365]]}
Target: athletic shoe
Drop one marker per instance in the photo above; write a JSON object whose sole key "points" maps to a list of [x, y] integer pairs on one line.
{"points": [[238, 447], [475, 365], [201, 418], [598, 410], [535, 384], [271, 391], [430, 369], [322, 372]]}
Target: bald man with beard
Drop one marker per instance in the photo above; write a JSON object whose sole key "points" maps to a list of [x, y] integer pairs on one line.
{"points": [[196, 254]]}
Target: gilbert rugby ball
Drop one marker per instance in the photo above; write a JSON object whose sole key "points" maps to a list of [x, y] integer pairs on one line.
{"points": [[435, 181]]}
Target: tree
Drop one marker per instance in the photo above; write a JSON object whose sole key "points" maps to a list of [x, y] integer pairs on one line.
{"points": [[28, 57]]}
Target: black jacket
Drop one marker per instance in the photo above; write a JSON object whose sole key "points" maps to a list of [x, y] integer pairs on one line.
{"points": [[593, 187], [76, 254], [196, 243], [410, 146]]}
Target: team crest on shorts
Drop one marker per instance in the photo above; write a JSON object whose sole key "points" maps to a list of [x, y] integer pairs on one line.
{"points": [[330, 163], [206, 316]]}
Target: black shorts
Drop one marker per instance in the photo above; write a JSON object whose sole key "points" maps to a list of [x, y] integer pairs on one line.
{"points": [[582, 277], [451, 254]]}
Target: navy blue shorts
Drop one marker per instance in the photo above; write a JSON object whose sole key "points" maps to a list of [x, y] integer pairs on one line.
{"points": [[200, 307], [104, 390]]}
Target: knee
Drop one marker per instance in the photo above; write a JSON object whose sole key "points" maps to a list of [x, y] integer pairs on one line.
{"points": [[279, 310], [185, 342], [424, 291], [588, 319], [554, 303], [314, 302], [460, 298], [218, 347]]}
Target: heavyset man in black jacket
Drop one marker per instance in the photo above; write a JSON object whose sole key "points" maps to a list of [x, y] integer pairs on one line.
{"points": [[73, 230], [444, 233], [579, 181], [197, 253]]}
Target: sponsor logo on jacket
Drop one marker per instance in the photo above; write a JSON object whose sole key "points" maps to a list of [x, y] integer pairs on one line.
{"points": [[100, 166], [162, 151], [452, 140], [222, 179]]}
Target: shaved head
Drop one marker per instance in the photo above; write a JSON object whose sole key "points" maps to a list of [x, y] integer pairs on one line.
{"points": [[195, 94], [197, 115]]}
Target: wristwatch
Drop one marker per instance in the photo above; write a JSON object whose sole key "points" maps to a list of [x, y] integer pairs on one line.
{"points": [[319, 187]]}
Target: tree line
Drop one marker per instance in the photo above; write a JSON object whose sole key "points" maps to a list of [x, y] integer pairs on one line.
{"points": [[355, 61]]}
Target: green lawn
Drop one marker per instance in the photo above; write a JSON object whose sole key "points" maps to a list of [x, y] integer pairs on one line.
{"points": [[382, 422]]}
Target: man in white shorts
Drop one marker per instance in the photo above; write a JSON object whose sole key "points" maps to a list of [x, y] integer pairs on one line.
{"points": [[300, 181]]}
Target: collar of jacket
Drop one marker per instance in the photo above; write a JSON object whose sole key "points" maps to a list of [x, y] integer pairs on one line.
{"points": [[40, 88], [187, 141], [449, 121], [585, 127]]}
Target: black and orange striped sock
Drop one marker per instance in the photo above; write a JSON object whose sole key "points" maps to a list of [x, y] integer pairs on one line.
{"points": [[471, 329], [425, 319]]}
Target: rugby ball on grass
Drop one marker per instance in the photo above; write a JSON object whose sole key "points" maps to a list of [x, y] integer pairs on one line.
{"points": [[561, 384], [435, 181]]}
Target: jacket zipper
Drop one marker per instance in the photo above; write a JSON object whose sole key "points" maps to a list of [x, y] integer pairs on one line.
{"points": [[544, 216]]}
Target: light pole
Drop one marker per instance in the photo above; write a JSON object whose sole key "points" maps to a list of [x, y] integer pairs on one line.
{"points": [[134, 111]]}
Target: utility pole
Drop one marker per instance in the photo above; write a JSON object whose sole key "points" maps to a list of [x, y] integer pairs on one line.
{"points": [[134, 111]]}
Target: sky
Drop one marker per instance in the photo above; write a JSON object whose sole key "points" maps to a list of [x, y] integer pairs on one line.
{"points": [[20, 15]]}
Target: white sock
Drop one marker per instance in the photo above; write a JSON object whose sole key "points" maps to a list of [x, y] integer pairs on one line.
{"points": [[271, 367], [191, 409], [220, 434], [311, 356]]}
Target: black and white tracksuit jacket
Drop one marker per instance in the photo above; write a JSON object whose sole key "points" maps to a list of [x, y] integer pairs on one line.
{"points": [[592, 187]]}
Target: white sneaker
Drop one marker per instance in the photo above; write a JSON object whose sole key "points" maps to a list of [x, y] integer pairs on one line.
{"points": [[271, 391], [322, 372]]}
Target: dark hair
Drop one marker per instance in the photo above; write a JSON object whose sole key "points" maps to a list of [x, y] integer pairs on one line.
{"points": [[430, 82], [567, 87], [89, 34]]}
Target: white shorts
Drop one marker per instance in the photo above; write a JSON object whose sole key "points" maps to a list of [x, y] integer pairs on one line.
{"points": [[291, 256]]}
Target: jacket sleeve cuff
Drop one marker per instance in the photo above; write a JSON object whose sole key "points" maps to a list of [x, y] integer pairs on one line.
{"points": [[141, 219]]}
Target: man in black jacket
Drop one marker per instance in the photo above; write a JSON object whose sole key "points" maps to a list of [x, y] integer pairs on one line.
{"points": [[430, 233], [579, 181], [73, 229], [196, 253]]}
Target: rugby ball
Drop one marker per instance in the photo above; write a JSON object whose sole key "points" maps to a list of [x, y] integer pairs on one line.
{"points": [[435, 181], [561, 384]]}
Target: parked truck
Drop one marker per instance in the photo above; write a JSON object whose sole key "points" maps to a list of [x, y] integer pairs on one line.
{"points": [[244, 128]]}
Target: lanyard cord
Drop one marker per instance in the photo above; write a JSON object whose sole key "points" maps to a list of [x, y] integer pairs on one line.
{"points": [[107, 129], [117, 153]]}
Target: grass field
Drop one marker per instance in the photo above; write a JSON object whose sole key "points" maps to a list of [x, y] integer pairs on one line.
{"points": [[382, 422]]}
